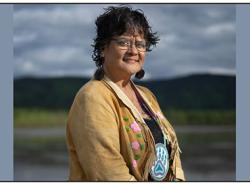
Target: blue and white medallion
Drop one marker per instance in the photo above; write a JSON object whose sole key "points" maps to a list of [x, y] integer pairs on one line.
{"points": [[161, 165]]}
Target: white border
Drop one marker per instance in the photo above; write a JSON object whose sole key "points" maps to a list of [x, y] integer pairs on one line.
{"points": [[126, 1]]}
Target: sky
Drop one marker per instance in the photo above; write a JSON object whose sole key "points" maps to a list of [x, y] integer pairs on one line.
{"points": [[52, 40]]}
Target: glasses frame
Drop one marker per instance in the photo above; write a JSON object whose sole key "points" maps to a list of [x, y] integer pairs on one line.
{"points": [[131, 43]]}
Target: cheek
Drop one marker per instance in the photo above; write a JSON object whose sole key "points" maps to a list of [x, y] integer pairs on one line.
{"points": [[116, 55], [112, 56], [142, 59]]}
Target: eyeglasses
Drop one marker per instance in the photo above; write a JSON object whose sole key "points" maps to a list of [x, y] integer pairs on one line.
{"points": [[125, 44]]}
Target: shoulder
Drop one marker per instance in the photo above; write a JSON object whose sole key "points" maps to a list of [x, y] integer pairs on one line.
{"points": [[94, 96], [147, 92], [93, 90], [150, 96]]}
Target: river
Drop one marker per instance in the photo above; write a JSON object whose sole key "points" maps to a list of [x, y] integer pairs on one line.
{"points": [[213, 161]]}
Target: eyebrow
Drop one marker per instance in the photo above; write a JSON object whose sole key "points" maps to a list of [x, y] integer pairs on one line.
{"points": [[129, 38]]}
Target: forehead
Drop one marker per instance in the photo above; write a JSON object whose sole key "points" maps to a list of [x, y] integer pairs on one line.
{"points": [[132, 35], [133, 31]]}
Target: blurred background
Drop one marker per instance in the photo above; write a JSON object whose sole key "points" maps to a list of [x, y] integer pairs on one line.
{"points": [[191, 72]]}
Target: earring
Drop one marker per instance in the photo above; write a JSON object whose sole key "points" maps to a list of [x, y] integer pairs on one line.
{"points": [[140, 74]]}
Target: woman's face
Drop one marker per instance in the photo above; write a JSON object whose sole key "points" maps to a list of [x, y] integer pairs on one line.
{"points": [[124, 55]]}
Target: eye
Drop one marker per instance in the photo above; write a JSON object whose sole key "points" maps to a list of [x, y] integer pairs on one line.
{"points": [[123, 42], [140, 44]]}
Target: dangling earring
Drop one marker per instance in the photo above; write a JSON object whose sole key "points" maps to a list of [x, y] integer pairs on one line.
{"points": [[140, 74]]}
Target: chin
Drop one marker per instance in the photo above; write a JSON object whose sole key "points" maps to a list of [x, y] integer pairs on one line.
{"points": [[132, 69], [135, 69]]}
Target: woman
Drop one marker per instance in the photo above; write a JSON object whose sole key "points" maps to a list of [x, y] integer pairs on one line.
{"points": [[116, 130]]}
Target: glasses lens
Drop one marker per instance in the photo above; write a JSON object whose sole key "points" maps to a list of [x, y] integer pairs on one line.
{"points": [[125, 44], [140, 45]]}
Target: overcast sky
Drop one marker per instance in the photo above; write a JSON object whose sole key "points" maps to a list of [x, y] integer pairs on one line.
{"points": [[55, 40]]}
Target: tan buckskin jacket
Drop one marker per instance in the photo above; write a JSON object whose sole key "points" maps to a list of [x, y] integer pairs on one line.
{"points": [[102, 126]]}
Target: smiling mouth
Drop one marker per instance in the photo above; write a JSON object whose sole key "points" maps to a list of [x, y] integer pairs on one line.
{"points": [[131, 61]]}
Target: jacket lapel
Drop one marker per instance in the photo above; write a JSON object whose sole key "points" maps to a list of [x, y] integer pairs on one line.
{"points": [[122, 96]]}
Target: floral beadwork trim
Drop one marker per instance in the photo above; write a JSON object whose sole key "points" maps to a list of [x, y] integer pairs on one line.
{"points": [[135, 127], [127, 128], [134, 163], [135, 145], [137, 157], [139, 135], [142, 146], [125, 119]]}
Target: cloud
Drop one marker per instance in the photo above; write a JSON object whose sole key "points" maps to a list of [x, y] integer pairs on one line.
{"points": [[23, 38], [55, 39]]}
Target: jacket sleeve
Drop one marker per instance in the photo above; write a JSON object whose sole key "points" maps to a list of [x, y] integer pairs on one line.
{"points": [[179, 174], [95, 134]]}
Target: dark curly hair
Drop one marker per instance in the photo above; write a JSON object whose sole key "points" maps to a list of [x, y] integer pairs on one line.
{"points": [[116, 21]]}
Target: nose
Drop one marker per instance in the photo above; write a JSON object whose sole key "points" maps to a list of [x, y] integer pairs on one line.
{"points": [[132, 49]]}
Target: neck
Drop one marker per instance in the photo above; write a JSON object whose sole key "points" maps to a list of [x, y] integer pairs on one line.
{"points": [[122, 81]]}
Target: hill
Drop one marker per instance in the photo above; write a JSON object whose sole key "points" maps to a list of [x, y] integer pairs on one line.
{"points": [[191, 92]]}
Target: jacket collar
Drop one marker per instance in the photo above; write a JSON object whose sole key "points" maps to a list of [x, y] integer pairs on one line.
{"points": [[123, 97]]}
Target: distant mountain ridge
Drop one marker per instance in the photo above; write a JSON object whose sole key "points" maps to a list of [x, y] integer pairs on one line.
{"points": [[191, 92]]}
